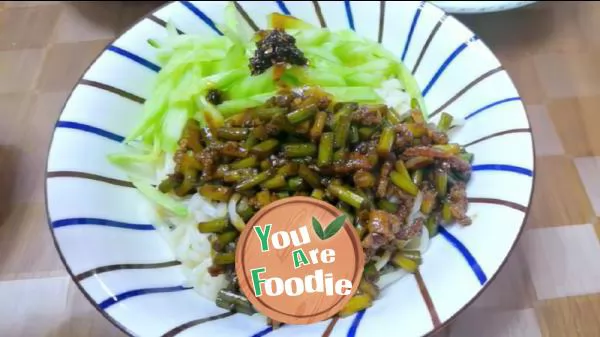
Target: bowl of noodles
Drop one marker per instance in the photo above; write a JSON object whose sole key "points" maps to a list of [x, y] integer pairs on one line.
{"points": [[203, 113]]}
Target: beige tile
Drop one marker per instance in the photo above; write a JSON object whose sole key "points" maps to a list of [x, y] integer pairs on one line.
{"points": [[511, 289], [534, 29], [522, 72], [19, 69], [35, 274], [587, 112], [589, 172], [87, 21], [546, 139], [14, 105], [557, 80], [131, 12], [526, 27], [44, 112], [24, 153], [575, 120], [24, 173], [81, 319], [32, 307], [40, 121], [26, 248], [568, 74], [559, 198], [28, 27], [66, 62], [49, 307], [476, 322], [573, 316], [562, 260], [558, 36], [566, 117], [587, 19]]}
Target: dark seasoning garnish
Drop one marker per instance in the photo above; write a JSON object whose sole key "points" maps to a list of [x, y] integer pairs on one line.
{"points": [[276, 47], [214, 96]]}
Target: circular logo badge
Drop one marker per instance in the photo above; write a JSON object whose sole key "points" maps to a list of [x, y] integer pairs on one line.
{"points": [[299, 260]]}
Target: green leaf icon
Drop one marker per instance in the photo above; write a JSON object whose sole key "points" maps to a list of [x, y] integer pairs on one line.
{"points": [[335, 226], [318, 229]]}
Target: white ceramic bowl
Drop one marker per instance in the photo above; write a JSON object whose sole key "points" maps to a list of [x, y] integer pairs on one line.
{"points": [[100, 223]]}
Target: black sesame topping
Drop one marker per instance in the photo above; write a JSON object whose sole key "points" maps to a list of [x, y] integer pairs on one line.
{"points": [[213, 96], [276, 47]]}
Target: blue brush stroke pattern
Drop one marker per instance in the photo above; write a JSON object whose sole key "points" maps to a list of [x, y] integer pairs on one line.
{"points": [[90, 129], [283, 7], [354, 327], [137, 292], [503, 167], [471, 261], [263, 332], [446, 63], [101, 222], [349, 14], [134, 58], [413, 24], [491, 105], [209, 22]]}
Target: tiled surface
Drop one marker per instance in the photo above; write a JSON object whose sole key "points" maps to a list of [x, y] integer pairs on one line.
{"points": [[563, 260], [27, 27], [62, 312], [496, 323], [559, 195], [66, 62], [577, 130], [18, 296], [86, 21], [512, 288], [569, 316], [20, 69], [550, 285], [547, 141], [589, 170]]}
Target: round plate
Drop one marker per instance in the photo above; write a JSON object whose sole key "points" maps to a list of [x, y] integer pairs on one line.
{"points": [[480, 6], [101, 226]]}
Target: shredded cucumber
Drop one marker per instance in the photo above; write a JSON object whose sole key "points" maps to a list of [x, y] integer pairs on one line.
{"points": [[354, 94], [174, 122], [344, 64], [167, 202], [412, 88], [232, 107], [141, 167]]}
